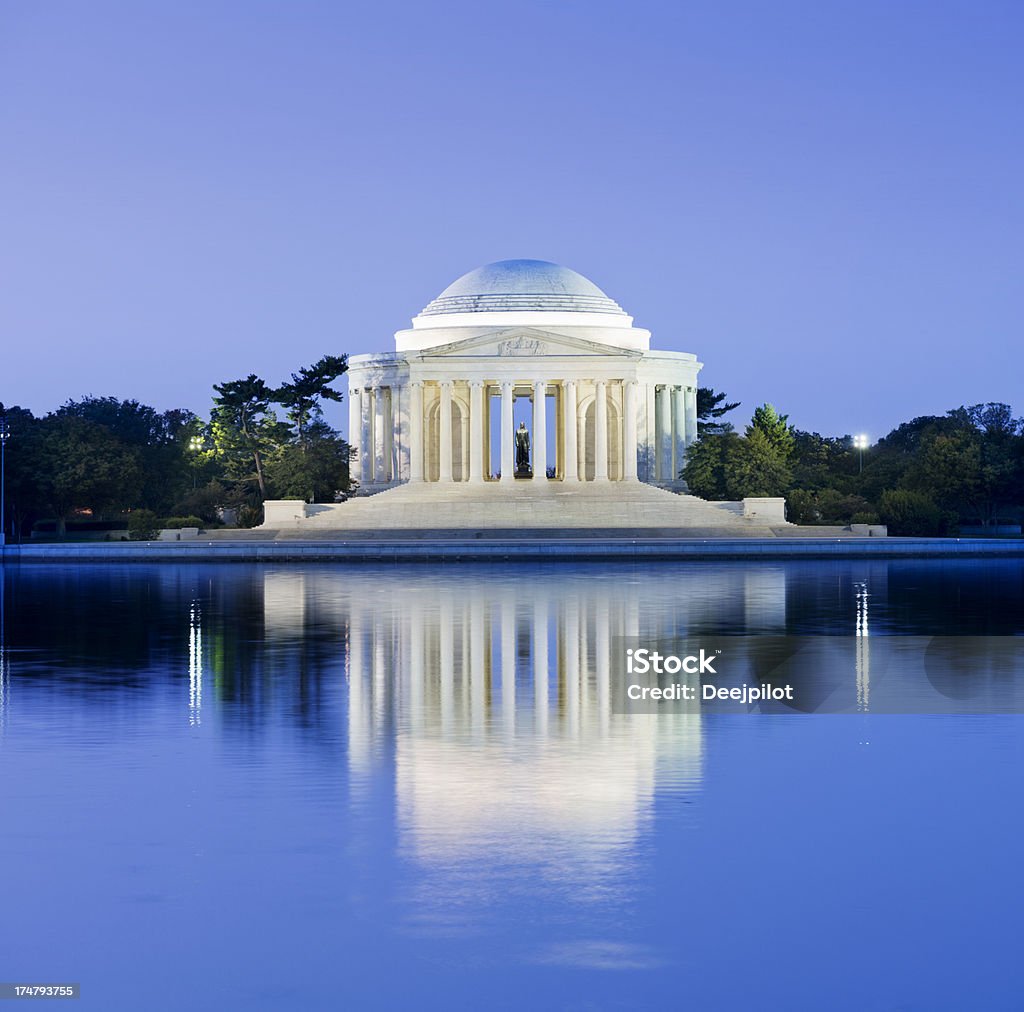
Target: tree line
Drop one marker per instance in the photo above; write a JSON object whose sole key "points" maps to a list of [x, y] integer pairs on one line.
{"points": [[114, 460], [927, 477]]}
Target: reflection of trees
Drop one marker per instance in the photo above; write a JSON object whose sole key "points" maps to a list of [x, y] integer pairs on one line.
{"points": [[274, 641], [957, 598], [96, 632]]}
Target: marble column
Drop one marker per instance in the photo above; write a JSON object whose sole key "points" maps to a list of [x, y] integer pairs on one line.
{"points": [[355, 427], [691, 415], [389, 433], [508, 465], [601, 431], [650, 433], [464, 446], [476, 431], [416, 432], [570, 431], [629, 430], [445, 429], [678, 430], [366, 436], [378, 435], [540, 432], [664, 468]]}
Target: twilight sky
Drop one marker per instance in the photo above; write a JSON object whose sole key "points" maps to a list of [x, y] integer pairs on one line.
{"points": [[823, 201]]}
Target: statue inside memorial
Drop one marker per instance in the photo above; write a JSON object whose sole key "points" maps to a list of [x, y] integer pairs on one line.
{"points": [[523, 469]]}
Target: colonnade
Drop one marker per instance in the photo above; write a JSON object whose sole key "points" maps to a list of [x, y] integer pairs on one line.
{"points": [[438, 429]]}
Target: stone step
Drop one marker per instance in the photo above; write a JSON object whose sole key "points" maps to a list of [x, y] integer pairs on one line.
{"points": [[524, 505]]}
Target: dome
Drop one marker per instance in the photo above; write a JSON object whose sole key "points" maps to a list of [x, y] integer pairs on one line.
{"points": [[510, 286]]}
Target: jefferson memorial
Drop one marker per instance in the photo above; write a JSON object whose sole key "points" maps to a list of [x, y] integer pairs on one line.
{"points": [[522, 396], [603, 406]]}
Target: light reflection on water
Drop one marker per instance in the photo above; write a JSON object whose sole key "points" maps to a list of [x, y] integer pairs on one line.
{"points": [[340, 770]]}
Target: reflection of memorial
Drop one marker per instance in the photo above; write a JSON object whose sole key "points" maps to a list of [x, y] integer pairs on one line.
{"points": [[499, 703], [495, 689]]}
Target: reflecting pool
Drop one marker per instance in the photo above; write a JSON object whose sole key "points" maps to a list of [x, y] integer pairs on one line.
{"points": [[321, 787]]}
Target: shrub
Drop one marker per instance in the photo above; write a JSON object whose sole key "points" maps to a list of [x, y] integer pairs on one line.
{"points": [[143, 525], [827, 506], [176, 523], [250, 516], [802, 507], [913, 514]]}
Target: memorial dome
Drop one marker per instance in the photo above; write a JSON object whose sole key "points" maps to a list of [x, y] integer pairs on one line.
{"points": [[514, 286]]}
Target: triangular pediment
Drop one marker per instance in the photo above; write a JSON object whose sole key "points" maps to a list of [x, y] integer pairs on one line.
{"points": [[520, 342]]}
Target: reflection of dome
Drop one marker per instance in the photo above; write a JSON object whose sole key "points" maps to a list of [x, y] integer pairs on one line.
{"points": [[522, 286]]}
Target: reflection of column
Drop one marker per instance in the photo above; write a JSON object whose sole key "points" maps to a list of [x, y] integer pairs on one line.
{"points": [[446, 637], [572, 664], [540, 665], [416, 433], [476, 431], [691, 415], [601, 432], [507, 459], [584, 661], [508, 664], [366, 437], [629, 431], [602, 665], [540, 432], [664, 466], [569, 431], [631, 620], [446, 431], [358, 744], [477, 665], [381, 671], [678, 431], [417, 657]]}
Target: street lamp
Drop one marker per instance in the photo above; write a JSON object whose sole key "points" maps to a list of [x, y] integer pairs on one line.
{"points": [[5, 434], [195, 445], [861, 444]]}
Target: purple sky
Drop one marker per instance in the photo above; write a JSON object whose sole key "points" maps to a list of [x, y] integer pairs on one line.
{"points": [[822, 201]]}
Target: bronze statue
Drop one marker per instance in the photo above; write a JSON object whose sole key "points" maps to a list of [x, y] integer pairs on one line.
{"points": [[522, 450]]}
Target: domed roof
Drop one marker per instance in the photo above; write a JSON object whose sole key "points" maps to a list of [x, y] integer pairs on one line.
{"points": [[522, 286]]}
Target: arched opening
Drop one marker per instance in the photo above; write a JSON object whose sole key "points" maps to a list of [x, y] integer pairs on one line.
{"points": [[460, 441], [588, 440]]}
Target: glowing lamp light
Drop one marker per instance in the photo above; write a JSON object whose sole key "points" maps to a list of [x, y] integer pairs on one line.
{"points": [[860, 444]]}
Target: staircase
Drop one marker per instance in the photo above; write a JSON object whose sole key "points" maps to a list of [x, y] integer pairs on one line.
{"points": [[523, 506]]}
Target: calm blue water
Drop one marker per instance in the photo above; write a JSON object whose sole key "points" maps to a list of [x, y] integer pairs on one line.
{"points": [[327, 787]]}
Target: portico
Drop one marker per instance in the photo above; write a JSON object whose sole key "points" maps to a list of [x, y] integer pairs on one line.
{"points": [[600, 405]]}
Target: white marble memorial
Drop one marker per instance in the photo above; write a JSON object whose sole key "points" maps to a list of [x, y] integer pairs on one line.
{"points": [[440, 408]]}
